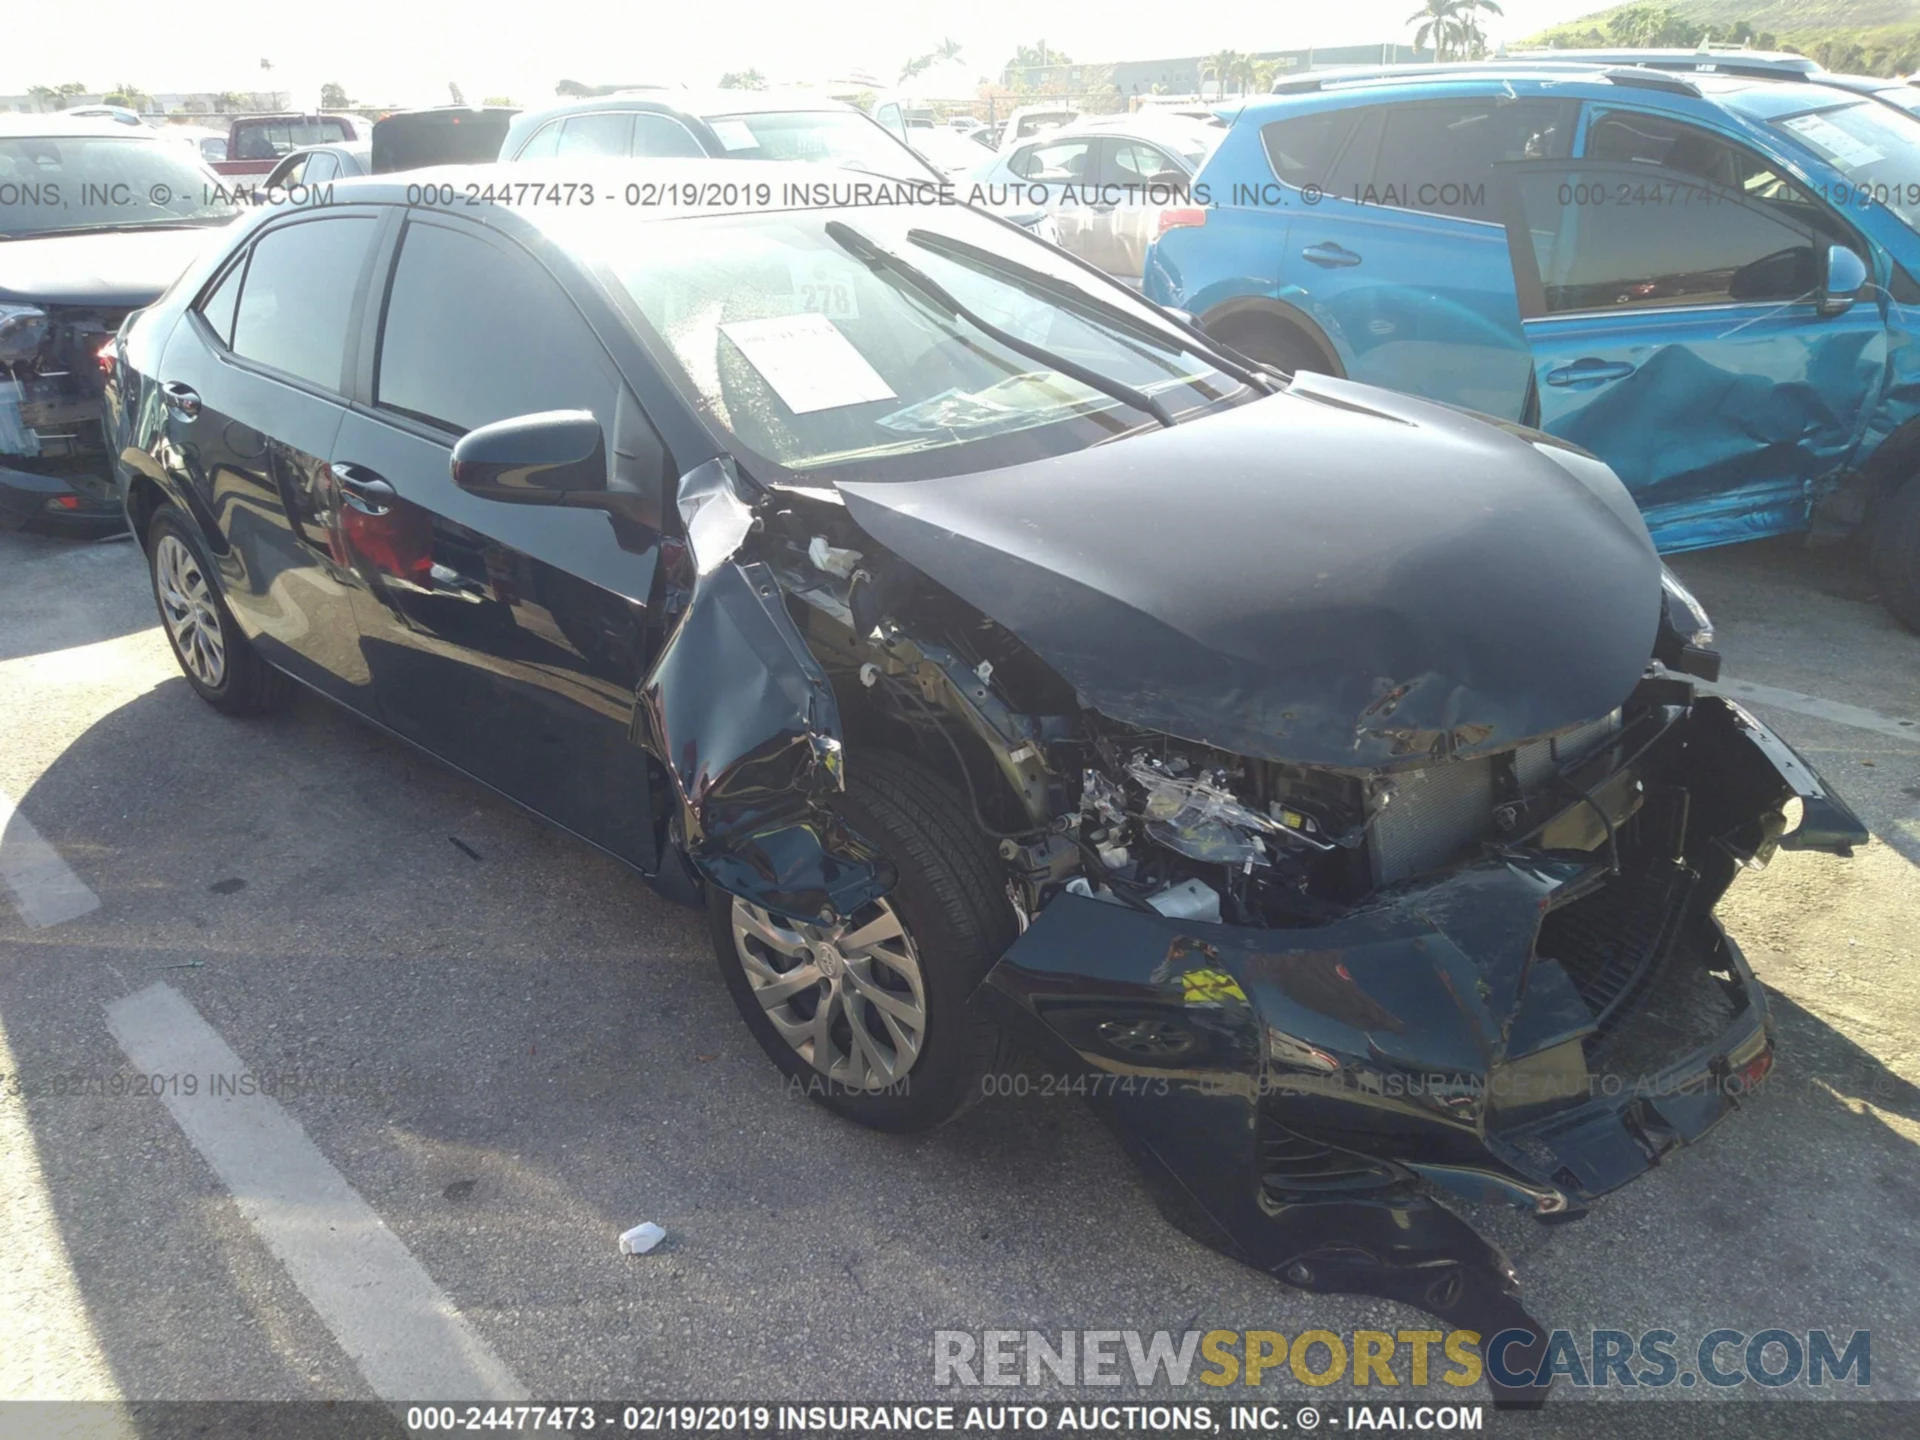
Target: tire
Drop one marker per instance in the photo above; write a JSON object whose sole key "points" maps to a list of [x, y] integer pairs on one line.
{"points": [[952, 911], [1278, 346], [1896, 553], [217, 660]]}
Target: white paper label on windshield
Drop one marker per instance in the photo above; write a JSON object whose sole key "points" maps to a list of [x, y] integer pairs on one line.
{"points": [[734, 134], [1822, 132], [807, 361]]}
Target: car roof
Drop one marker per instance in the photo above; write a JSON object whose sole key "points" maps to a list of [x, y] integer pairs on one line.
{"points": [[1752, 98], [51, 126], [789, 186], [1725, 60], [701, 104]]}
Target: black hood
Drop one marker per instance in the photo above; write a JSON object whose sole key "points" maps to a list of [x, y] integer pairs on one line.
{"points": [[1333, 576], [113, 269]]}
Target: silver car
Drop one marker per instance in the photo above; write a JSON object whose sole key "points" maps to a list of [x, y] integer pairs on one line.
{"points": [[1104, 181]]}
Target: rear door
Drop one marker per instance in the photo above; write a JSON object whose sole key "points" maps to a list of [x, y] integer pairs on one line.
{"points": [[508, 639], [254, 381], [1400, 254], [1671, 283]]}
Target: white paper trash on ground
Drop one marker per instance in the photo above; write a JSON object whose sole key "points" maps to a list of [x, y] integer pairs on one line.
{"points": [[641, 1239]]}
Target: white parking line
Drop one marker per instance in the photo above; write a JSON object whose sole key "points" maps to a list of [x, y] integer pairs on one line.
{"points": [[44, 886], [1813, 705], [384, 1309]]}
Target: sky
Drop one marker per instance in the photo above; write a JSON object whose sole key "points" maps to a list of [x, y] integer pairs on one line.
{"points": [[396, 52]]}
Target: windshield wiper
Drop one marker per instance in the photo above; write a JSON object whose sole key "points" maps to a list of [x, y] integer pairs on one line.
{"points": [[1073, 295], [879, 259]]}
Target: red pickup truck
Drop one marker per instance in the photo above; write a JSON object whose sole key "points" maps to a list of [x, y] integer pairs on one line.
{"points": [[255, 143]]}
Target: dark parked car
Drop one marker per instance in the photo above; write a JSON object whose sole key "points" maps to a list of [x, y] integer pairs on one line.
{"points": [[981, 645], [96, 219], [440, 135]]}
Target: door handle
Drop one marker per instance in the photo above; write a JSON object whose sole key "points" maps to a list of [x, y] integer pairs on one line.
{"points": [[1590, 372], [1330, 255], [365, 491], [181, 398]]}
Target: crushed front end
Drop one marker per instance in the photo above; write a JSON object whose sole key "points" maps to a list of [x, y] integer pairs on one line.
{"points": [[54, 468], [1529, 1000]]}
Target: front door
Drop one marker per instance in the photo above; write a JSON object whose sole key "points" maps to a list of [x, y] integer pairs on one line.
{"points": [[1677, 330], [508, 639], [253, 380]]}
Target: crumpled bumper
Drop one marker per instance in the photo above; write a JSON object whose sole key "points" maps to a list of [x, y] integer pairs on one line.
{"points": [[1538, 1027]]}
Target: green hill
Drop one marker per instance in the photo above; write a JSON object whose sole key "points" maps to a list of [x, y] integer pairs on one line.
{"points": [[1874, 37]]}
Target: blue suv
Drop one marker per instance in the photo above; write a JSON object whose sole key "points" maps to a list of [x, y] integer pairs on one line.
{"points": [[1707, 281]]}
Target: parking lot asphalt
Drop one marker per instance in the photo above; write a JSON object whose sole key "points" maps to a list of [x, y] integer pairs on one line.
{"points": [[510, 1050]]}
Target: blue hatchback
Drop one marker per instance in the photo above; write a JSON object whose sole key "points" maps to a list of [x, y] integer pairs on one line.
{"points": [[1708, 282]]}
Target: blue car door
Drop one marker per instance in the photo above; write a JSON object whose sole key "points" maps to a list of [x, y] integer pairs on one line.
{"points": [[1401, 257], [1674, 289]]}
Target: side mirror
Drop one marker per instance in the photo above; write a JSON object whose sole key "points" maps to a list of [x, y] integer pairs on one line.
{"points": [[1846, 278], [538, 459]]}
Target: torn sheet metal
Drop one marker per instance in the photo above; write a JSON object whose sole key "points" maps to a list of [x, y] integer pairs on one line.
{"points": [[744, 722], [1311, 1100]]}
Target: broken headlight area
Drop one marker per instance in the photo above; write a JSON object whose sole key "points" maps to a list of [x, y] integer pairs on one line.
{"points": [[1534, 1022]]}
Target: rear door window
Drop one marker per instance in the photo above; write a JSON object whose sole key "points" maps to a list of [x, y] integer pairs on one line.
{"points": [[1439, 158], [600, 134], [545, 142], [297, 298], [1055, 162], [217, 308], [1301, 149]]}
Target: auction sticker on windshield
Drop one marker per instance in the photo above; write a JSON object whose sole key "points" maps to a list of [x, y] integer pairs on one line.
{"points": [[807, 361]]}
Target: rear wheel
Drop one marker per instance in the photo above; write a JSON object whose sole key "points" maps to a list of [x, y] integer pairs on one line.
{"points": [[874, 1014], [1896, 553], [219, 663]]}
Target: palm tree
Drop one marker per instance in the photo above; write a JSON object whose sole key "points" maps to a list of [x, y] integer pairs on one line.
{"points": [[1220, 67], [947, 49], [1436, 23], [1470, 41]]}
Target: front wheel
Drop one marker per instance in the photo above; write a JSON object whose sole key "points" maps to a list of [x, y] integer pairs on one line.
{"points": [[1896, 553], [874, 1016]]}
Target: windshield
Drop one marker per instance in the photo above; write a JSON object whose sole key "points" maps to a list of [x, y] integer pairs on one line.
{"points": [[1875, 147], [54, 183], [822, 137], [814, 360]]}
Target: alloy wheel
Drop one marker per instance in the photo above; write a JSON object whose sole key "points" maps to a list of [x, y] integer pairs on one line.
{"points": [[849, 998], [187, 605]]}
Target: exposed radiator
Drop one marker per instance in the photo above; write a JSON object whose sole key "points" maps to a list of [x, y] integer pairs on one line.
{"points": [[1438, 813]]}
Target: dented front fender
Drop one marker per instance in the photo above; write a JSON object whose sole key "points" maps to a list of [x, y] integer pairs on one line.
{"points": [[743, 720]]}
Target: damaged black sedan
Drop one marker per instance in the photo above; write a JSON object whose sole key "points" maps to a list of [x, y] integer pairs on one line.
{"points": [[991, 653]]}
